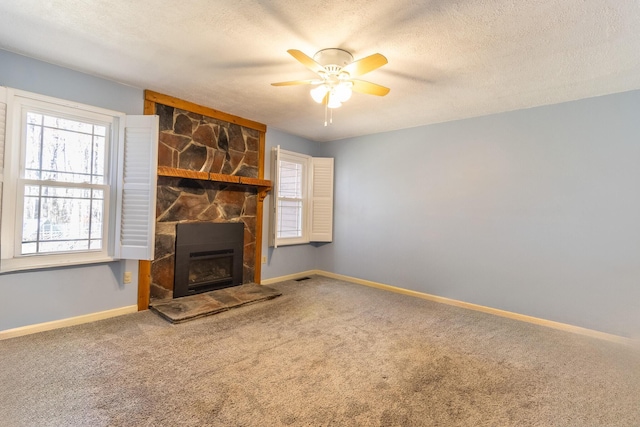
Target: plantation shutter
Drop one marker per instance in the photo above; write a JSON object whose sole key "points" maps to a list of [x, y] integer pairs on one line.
{"points": [[321, 211], [273, 212], [3, 130], [302, 200], [137, 175]]}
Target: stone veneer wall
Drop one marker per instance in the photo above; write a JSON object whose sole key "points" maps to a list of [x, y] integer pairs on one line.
{"points": [[198, 143]]}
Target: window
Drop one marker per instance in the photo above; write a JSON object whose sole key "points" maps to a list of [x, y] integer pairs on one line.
{"points": [[291, 196], [68, 172], [302, 200], [63, 192]]}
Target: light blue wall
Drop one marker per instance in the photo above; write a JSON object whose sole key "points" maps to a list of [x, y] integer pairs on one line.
{"points": [[535, 211], [285, 260], [54, 294], [21, 72]]}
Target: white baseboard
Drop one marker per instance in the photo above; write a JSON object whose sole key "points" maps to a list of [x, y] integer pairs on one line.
{"points": [[291, 277], [497, 312], [30, 329], [71, 321]]}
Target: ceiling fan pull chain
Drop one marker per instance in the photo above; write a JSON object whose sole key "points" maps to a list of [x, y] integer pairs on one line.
{"points": [[325, 114]]}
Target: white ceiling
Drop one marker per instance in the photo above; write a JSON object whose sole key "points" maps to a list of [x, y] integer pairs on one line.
{"points": [[447, 59]]}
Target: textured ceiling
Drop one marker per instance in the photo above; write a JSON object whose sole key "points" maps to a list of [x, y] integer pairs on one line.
{"points": [[447, 59]]}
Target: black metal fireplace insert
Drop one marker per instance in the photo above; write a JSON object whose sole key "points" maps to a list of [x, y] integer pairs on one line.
{"points": [[208, 257]]}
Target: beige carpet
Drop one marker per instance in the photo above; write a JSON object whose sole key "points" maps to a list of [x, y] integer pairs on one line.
{"points": [[325, 353]]}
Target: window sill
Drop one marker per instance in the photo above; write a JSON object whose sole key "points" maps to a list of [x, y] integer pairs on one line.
{"points": [[290, 242], [37, 262]]}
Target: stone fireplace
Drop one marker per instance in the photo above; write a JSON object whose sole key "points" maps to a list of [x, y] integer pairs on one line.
{"points": [[206, 166]]}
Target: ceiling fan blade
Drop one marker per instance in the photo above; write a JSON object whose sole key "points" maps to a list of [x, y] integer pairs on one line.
{"points": [[306, 61], [298, 82], [369, 88], [365, 65]]}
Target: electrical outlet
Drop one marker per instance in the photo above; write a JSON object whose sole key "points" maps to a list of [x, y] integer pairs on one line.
{"points": [[264, 259], [127, 277]]}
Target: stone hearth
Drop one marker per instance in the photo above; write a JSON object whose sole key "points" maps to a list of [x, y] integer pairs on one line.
{"points": [[195, 306]]}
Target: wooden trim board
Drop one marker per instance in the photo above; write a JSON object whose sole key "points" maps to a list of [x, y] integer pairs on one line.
{"points": [[292, 277], [261, 184], [41, 327], [144, 267], [470, 306], [62, 323], [144, 284], [201, 109]]}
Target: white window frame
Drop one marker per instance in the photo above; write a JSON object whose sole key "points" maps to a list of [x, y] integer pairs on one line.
{"points": [[129, 227], [303, 160], [317, 198]]}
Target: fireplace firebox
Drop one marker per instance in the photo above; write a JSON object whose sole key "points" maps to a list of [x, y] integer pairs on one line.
{"points": [[208, 257]]}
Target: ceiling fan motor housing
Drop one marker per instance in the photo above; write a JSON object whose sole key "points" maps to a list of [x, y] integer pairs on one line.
{"points": [[333, 59]]}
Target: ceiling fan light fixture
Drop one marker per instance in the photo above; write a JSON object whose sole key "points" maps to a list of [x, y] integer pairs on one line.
{"points": [[338, 74], [318, 93], [343, 91], [334, 101]]}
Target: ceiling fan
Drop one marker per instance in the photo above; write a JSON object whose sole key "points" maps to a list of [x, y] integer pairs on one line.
{"points": [[336, 70]]}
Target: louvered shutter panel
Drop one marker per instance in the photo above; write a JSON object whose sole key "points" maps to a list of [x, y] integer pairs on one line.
{"points": [[273, 212], [321, 216], [138, 176], [3, 130]]}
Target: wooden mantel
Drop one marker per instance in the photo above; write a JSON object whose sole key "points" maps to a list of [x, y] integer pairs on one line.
{"points": [[260, 184]]}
